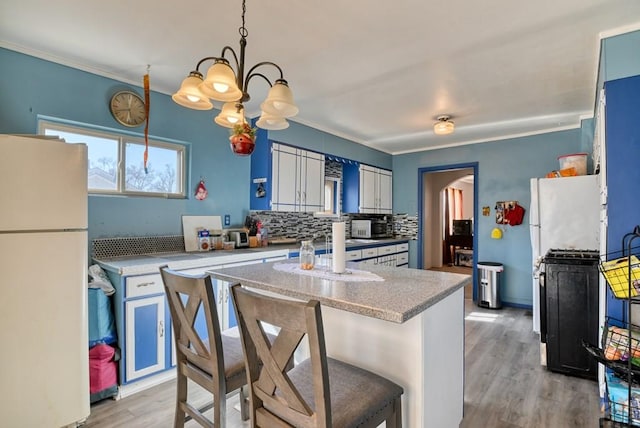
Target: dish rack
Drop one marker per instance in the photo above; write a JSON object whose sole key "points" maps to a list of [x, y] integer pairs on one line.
{"points": [[619, 350]]}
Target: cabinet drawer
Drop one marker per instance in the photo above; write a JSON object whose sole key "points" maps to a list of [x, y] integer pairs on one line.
{"points": [[402, 247], [388, 249], [402, 258], [144, 285], [353, 255], [369, 252]]}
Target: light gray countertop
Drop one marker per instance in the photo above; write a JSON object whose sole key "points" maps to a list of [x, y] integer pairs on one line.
{"points": [[403, 294], [145, 264]]}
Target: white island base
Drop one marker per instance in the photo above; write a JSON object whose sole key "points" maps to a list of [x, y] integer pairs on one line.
{"points": [[424, 354]]}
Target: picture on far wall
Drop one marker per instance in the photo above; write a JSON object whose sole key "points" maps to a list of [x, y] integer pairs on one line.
{"points": [[509, 212]]}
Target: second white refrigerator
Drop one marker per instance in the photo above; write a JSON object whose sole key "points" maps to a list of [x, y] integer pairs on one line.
{"points": [[563, 214]]}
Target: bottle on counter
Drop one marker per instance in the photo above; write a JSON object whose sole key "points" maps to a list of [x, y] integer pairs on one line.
{"points": [[307, 255]]}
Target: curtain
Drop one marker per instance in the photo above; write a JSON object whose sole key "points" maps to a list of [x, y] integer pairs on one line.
{"points": [[454, 207], [452, 211]]}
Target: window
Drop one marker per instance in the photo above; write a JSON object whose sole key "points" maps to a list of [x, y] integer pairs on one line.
{"points": [[116, 164], [332, 195]]}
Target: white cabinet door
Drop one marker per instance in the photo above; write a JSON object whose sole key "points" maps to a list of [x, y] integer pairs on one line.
{"points": [[228, 313], [385, 194], [312, 180], [368, 190], [375, 189], [217, 290], [297, 179], [285, 178], [145, 336]]}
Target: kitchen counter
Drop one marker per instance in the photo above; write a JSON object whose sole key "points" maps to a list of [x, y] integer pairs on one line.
{"points": [[408, 328], [403, 294], [144, 264]]}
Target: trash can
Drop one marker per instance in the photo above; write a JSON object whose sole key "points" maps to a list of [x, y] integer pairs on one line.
{"points": [[490, 281]]}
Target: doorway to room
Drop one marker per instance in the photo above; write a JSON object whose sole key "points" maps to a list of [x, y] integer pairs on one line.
{"points": [[443, 245]]}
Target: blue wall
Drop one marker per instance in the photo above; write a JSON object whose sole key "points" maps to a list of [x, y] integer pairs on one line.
{"points": [[619, 57], [31, 88], [504, 172]]}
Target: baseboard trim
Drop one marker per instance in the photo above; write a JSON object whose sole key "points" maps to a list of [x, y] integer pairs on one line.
{"points": [[146, 383]]}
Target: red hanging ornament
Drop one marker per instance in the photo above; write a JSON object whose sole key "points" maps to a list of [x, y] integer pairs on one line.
{"points": [[201, 191]]}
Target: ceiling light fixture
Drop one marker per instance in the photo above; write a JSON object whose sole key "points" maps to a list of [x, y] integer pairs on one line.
{"points": [[231, 87], [443, 126]]}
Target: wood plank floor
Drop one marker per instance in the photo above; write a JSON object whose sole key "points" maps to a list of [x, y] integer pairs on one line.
{"points": [[505, 387]]}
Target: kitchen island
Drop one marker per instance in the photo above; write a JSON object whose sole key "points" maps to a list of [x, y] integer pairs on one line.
{"points": [[142, 320], [408, 327]]}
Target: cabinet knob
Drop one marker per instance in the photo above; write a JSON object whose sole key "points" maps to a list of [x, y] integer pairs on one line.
{"points": [[161, 328]]}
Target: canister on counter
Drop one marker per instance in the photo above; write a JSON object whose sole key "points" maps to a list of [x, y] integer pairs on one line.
{"points": [[204, 240], [217, 242], [307, 255]]}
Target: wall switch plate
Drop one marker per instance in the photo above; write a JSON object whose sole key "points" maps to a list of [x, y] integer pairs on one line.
{"points": [[227, 219]]}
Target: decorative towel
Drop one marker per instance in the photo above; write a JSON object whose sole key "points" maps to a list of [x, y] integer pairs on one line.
{"points": [[349, 275]]}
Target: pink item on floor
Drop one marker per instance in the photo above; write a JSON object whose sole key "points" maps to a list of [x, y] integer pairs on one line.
{"points": [[102, 368]]}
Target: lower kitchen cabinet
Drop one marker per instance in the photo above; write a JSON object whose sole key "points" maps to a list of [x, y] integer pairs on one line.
{"points": [[396, 255], [226, 315], [146, 326], [145, 341], [387, 255], [143, 320]]}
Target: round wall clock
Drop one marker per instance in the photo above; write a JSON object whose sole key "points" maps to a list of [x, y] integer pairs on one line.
{"points": [[128, 108]]}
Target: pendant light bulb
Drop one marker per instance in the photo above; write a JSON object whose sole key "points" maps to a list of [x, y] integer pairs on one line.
{"points": [[443, 126]]}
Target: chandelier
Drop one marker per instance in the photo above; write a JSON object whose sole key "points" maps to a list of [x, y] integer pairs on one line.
{"points": [[229, 86]]}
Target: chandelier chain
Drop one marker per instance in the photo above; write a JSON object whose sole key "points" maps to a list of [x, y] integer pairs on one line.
{"points": [[243, 30], [228, 85]]}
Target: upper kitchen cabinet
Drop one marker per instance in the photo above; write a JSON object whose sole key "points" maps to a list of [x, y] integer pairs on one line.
{"points": [[367, 189], [286, 178], [297, 179]]}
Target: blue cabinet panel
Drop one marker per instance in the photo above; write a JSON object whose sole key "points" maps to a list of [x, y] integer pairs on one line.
{"points": [[146, 322], [623, 167], [232, 313], [351, 188], [261, 168]]}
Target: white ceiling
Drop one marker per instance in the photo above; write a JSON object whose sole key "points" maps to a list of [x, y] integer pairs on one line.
{"points": [[378, 73]]}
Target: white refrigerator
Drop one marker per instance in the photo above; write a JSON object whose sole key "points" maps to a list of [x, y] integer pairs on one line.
{"points": [[564, 214], [44, 361]]}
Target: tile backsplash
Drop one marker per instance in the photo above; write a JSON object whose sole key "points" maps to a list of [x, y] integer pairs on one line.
{"points": [[278, 224], [300, 225]]}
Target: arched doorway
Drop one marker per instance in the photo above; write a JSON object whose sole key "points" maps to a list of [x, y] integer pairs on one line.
{"points": [[431, 182]]}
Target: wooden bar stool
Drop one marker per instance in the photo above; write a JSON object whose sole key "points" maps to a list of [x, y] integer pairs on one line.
{"points": [[318, 392], [211, 359]]}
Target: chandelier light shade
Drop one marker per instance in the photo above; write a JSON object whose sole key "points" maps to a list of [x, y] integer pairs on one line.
{"points": [[189, 94], [220, 83], [279, 101], [443, 126], [271, 122], [230, 115], [228, 84]]}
